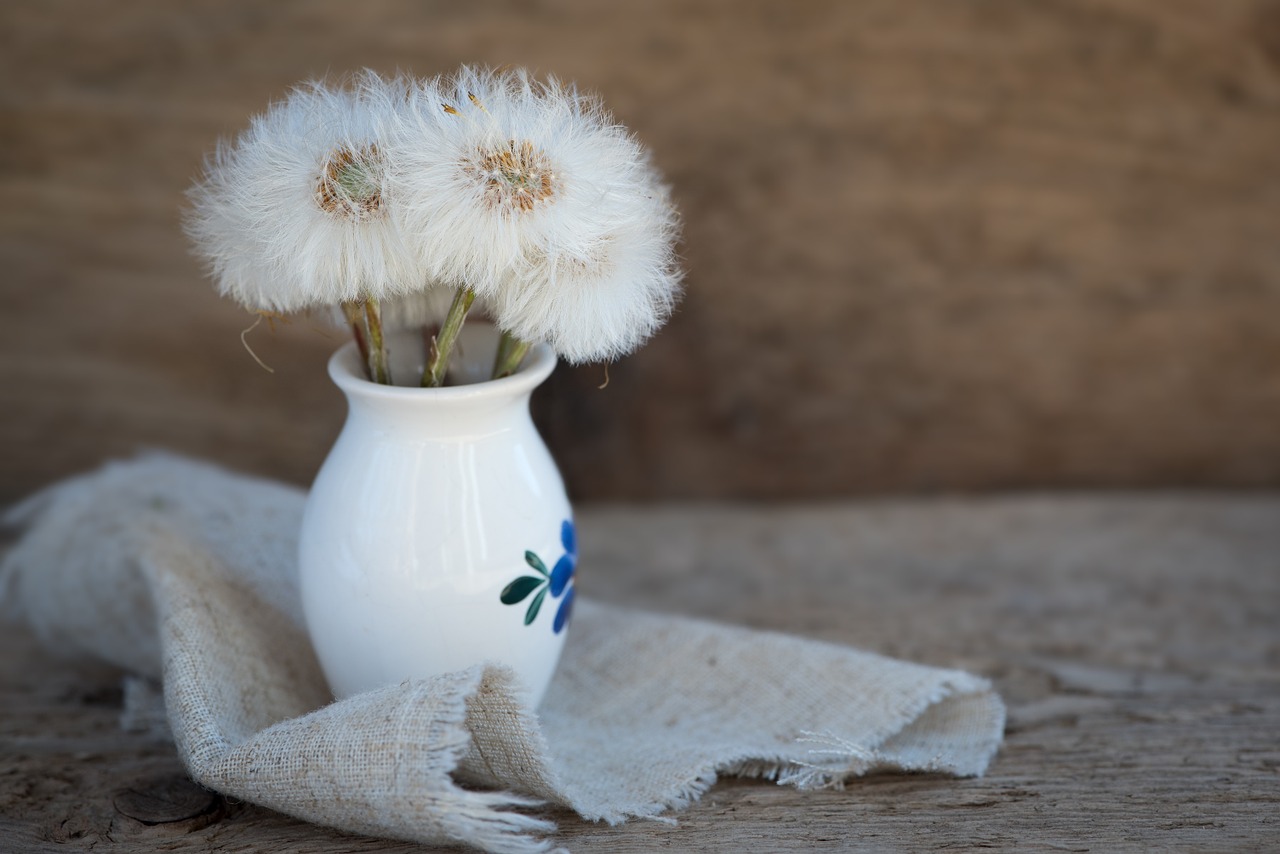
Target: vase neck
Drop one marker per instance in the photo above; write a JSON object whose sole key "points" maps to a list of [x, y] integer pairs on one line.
{"points": [[483, 406]]}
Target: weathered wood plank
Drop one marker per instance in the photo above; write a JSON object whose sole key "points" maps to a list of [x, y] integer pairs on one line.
{"points": [[1136, 639], [931, 245]]}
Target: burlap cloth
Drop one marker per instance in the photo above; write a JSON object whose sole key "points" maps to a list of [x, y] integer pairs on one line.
{"points": [[184, 573]]}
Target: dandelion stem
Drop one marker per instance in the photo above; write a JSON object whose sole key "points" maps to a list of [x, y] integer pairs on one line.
{"points": [[511, 352], [504, 347], [442, 343], [352, 311], [377, 347]]}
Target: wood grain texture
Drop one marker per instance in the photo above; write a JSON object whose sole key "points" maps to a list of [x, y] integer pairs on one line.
{"points": [[1135, 639], [932, 245]]}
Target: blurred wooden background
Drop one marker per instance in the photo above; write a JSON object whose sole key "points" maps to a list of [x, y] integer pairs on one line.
{"points": [[939, 245]]}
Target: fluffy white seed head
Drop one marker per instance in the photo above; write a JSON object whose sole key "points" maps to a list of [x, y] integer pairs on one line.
{"points": [[491, 166], [603, 300], [296, 212], [533, 196]]}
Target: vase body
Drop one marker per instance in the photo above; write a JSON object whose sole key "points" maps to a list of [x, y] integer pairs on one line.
{"points": [[436, 521]]}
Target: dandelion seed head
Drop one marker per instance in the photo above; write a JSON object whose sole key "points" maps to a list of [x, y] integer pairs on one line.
{"points": [[601, 299], [495, 169], [295, 213]]}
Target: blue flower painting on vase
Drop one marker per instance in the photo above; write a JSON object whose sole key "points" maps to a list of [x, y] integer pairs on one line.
{"points": [[556, 582]]}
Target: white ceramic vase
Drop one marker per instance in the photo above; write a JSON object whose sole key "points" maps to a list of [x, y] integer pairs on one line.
{"points": [[437, 534]]}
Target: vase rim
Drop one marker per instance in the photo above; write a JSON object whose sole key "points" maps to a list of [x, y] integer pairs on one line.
{"points": [[347, 372]]}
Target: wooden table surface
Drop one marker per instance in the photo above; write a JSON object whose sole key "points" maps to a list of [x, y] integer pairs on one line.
{"points": [[1134, 637]]}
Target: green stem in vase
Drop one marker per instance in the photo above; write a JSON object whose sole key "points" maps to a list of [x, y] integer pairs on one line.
{"points": [[442, 344], [378, 370], [355, 319], [511, 352], [504, 345]]}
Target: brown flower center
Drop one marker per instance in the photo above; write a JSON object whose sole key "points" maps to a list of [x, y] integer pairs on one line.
{"points": [[349, 185], [516, 176]]}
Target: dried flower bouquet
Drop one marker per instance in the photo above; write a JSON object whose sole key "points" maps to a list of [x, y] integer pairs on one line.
{"points": [[401, 203]]}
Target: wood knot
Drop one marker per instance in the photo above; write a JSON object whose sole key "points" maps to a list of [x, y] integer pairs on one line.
{"points": [[168, 799]]}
